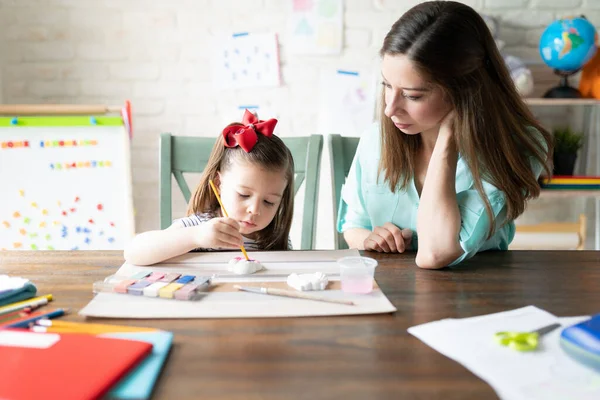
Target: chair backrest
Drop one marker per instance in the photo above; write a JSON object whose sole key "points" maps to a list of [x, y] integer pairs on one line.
{"points": [[341, 154], [188, 154]]}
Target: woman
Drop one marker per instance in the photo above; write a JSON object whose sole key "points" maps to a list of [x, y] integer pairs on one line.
{"points": [[456, 154]]}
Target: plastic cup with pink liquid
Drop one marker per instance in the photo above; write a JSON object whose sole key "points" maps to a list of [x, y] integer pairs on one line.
{"points": [[356, 274]]}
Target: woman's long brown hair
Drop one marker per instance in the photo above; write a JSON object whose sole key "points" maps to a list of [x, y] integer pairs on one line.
{"points": [[270, 153], [452, 47]]}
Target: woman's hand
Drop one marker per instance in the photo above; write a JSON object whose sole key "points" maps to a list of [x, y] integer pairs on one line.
{"points": [[388, 239], [221, 233], [447, 126]]}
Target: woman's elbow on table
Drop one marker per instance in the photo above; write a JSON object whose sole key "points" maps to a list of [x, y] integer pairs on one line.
{"points": [[436, 259]]}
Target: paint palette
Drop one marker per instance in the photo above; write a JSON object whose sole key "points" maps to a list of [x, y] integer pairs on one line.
{"points": [[163, 285]]}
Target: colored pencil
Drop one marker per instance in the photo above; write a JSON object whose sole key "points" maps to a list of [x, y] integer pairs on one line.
{"points": [[291, 293], [27, 322], [212, 185], [33, 302], [68, 326]]}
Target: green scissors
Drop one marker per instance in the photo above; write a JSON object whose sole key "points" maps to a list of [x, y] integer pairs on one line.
{"points": [[523, 341]]}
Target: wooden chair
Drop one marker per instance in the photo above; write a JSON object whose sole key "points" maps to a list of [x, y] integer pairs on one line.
{"points": [[551, 236], [341, 154], [188, 154]]}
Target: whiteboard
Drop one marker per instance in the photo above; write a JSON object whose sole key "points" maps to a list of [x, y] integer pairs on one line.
{"points": [[66, 183]]}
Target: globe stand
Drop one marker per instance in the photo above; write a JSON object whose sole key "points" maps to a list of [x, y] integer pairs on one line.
{"points": [[563, 90]]}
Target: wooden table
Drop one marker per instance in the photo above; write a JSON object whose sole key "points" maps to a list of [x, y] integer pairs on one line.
{"points": [[359, 357]]}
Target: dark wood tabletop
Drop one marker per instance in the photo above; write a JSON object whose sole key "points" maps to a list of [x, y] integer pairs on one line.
{"points": [[346, 357]]}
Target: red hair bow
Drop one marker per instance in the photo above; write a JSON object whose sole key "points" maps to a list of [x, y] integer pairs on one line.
{"points": [[245, 134]]}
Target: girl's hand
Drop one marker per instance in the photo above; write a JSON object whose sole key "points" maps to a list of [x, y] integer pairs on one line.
{"points": [[221, 233], [388, 239]]}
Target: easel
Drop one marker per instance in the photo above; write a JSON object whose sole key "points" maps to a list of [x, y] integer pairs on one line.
{"points": [[70, 109]]}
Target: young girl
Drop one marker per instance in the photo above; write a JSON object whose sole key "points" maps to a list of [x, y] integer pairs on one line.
{"points": [[253, 171], [456, 153]]}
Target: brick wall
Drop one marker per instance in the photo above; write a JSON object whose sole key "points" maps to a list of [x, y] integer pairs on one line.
{"points": [[155, 54]]}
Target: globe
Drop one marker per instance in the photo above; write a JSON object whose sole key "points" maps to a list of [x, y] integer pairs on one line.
{"points": [[566, 45]]}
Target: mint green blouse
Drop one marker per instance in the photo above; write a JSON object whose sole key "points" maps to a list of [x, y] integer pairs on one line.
{"points": [[367, 202]]}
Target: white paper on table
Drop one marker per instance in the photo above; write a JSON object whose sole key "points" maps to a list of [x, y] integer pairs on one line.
{"points": [[545, 374], [278, 264]]}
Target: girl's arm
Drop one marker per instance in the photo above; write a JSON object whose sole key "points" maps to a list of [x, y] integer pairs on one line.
{"points": [[155, 246], [438, 216]]}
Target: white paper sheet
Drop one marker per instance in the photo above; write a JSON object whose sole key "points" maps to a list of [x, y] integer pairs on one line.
{"points": [[246, 60], [315, 26], [545, 374], [278, 264]]}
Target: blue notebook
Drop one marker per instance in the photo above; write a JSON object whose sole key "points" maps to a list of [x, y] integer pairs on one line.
{"points": [[139, 383]]}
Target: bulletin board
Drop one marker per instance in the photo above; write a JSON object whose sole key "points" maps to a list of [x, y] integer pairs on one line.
{"points": [[66, 183]]}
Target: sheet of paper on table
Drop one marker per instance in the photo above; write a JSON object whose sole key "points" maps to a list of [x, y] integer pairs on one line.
{"points": [[235, 304], [547, 373]]}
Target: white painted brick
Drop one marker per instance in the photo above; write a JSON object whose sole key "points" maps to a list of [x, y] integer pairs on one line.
{"points": [[39, 15], [191, 106], [197, 53], [185, 71], [527, 54], [76, 35], [360, 5], [247, 6], [26, 33], [84, 70], [106, 88], [143, 52], [53, 88], [198, 20], [512, 36], [151, 125], [591, 4], [368, 19], [37, 71], [206, 125], [134, 71], [95, 18], [102, 52], [159, 89], [505, 4], [261, 22], [532, 37], [48, 51], [14, 88], [477, 5], [303, 74], [527, 18], [141, 106], [555, 4], [397, 7], [150, 19], [357, 37], [278, 5]]}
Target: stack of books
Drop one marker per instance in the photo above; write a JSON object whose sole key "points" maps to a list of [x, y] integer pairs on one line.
{"points": [[571, 182], [43, 357]]}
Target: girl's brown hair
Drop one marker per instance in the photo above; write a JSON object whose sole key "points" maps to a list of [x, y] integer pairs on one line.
{"points": [[452, 47], [270, 153]]}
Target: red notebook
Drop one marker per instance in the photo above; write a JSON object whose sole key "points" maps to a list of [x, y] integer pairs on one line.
{"points": [[66, 366]]}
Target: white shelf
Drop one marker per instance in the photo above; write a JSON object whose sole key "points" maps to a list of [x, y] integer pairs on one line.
{"points": [[566, 193], [561, 102]]}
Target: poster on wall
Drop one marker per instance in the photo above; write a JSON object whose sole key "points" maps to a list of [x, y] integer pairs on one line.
{"points": [[347, 101], [245, 60], [316, 26]]}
